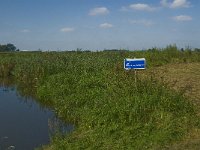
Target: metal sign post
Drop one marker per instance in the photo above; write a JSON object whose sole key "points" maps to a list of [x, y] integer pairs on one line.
{"points": [[135, 78]]}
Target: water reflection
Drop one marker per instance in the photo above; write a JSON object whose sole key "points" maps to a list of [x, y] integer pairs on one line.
{"points": [[56, 126], [24, 123]]}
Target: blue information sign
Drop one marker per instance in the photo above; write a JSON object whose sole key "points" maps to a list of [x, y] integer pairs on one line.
{"points": [[136, 63]]}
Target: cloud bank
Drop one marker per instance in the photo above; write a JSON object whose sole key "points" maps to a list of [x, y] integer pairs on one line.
{"points": [[175, 3]]}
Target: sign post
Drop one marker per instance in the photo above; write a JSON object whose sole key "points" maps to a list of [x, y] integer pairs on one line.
{"points": [[136, 64]]}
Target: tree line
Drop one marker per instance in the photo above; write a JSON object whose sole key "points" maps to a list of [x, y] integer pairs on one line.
{"points": [[8, 48]]}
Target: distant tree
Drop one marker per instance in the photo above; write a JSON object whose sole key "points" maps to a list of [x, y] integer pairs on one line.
{"points": [[11, 47], [3, 48], [154, 49], [182, 49], [7, 48], [197, 49], [79, 49]]}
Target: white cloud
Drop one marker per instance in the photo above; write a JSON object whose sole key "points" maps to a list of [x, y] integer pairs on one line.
{"points": [[123, 8], [175, 3], [143, 22], [142, 7], [99, 11], [25, 30], [67, 29], [105, 25], [180, 3], [182, 18]]}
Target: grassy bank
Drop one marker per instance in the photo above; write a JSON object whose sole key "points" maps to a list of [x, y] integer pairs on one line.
{"points": [[93, 91], [184, 78]]}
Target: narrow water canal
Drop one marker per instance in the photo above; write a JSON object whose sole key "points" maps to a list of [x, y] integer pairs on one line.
{"points": [[24, 124]]}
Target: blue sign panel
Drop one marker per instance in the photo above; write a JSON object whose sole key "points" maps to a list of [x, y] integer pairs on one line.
{"points": [[138, 63]]}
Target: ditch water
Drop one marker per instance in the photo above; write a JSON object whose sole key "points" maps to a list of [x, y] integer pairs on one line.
{"points": [[24, 123]]}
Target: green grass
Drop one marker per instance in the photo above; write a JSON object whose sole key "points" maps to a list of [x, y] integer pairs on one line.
{"points": [[184, 78], [93, 91]]}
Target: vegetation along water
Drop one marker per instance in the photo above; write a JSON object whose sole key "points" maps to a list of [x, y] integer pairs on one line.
{"points": [[94, 92]]}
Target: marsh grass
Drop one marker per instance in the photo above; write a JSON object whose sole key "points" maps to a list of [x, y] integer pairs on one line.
{"points": [[93, 91]]}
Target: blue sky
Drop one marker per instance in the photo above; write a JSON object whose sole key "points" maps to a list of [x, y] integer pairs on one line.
{"points": [[99, 24]]}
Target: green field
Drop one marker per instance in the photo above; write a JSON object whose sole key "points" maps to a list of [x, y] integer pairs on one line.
{"points": [[93, 91]]}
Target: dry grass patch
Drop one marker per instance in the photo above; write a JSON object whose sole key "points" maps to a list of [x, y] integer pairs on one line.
{"points": [[184, 77]]}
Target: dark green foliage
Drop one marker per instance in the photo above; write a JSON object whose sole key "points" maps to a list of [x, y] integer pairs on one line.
{"points": [[7, 48]]}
